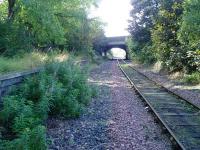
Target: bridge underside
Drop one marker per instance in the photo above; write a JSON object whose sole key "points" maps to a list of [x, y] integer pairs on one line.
{"points": [[109, 47], [114, 42]]}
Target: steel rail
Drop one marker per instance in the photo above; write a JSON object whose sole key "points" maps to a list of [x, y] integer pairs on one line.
{"points": [[164, 87], [179, 143]]}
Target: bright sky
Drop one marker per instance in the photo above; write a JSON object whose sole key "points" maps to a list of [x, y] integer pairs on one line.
{"points": [[115, 13], [118, 53]]}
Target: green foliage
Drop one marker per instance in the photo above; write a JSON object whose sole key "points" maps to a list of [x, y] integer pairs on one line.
{"points": [[11, 108], [164, 34], [194, 78], [27, 61], [193, 58], [19, 118], [147, 55], [38, 17], [30, 139], [133, 47], [143, 54], [189, 31], [25, 25], [70, 91], [167, 31], [189, 34], [177, 60], [142, 22], [12, 39], [60, 89]]}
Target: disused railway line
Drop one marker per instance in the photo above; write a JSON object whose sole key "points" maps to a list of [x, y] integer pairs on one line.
{"points": [[180, 117]]}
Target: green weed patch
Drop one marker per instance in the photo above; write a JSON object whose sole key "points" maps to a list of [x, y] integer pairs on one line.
{"points": [[194, 78], [60, 89]]}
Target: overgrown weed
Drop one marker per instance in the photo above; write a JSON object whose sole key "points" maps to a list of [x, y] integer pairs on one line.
{"points": [[60, 89]]}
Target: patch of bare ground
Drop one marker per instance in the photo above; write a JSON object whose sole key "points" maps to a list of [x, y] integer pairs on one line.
{"points": [[116, 120]]}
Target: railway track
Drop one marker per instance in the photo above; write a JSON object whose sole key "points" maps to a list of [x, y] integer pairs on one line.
{"points": [[180, 117]]}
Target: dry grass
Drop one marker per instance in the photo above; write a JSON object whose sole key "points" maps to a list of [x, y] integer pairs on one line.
{"points": [[187, 79], [157, 67], [28, 61]]}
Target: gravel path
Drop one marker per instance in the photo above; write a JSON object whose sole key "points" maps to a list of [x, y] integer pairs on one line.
{"points": [[116, 120]]}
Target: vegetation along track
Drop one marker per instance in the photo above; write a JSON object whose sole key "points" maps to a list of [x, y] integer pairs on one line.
{"points": [[180, 117]]}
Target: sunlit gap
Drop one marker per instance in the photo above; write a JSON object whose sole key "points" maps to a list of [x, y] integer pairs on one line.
{"points": [[116, 53]]}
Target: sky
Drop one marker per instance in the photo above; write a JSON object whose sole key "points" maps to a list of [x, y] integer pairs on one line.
{"points": [[115, 13]]}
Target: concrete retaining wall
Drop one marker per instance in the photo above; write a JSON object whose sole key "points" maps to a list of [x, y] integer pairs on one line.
{"points": [[7, 81]]}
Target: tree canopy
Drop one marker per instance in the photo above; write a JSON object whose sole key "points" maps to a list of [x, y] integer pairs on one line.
{"points": [[168, 31], [43, 23]]}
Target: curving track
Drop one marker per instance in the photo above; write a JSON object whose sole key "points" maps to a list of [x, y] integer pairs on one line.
{"points": [[180, 117]]}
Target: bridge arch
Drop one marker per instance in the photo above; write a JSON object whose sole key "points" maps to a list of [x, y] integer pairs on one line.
{"points": [[116, 53], [115, 42]]}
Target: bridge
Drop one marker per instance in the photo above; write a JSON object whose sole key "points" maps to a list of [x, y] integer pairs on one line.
{"points": [[114, 42]]}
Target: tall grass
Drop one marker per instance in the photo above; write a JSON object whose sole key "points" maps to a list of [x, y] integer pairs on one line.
{"points": [[27, 61]]}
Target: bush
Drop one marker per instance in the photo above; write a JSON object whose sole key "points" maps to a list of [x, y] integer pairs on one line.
{"points": [[147, 55], [60, 89], [194, 78], [193, 58], [30, 139], [177, 60], [143, 53], [70, 89]]}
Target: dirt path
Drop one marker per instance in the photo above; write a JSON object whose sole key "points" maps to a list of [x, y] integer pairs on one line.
{"points": [[117, 119]]}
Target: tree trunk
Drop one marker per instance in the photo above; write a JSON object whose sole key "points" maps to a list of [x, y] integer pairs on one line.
{"points": [[11, 4]]}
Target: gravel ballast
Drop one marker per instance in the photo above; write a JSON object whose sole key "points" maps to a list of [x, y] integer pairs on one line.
{"points": [[190, 93], [116, 120]]}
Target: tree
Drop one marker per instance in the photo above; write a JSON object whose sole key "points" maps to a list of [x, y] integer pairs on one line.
{"points": [[189, 34], [143, 15], [11, 4], [164, 33], [167, 31], [44, 23]]}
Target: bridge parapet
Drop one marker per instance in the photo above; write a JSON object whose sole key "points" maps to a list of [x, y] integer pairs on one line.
{"points": [[115, 39], [117, 43]]}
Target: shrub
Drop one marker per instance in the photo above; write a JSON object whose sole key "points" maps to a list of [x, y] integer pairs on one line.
{"points": [[177, 60], [147, 55], [70, 90], [194, 78], [60, 89], [193, 58], [30, 139], [20, 121]]}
